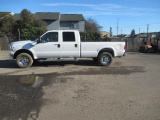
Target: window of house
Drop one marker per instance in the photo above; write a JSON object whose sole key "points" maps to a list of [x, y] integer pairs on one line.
{"points": [[73, 25], [68, 37], [50, 37]]}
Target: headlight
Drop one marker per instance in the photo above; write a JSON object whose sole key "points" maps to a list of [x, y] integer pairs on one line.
{"points": [[11, 48]]}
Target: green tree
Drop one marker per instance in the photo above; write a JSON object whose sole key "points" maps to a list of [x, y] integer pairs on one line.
{"points": [[30, 26], [111, 31], [91, 25], [7, 23], [92, 30], [133, 33]]}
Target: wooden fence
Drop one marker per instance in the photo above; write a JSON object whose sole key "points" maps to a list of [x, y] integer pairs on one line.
{"points": [[4, 43]]}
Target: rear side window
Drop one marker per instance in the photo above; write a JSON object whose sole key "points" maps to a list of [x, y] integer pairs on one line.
{"points": [[68, 37]]}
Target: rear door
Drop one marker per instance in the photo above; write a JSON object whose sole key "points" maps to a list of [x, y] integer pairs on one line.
{"points": [[69, 45]]}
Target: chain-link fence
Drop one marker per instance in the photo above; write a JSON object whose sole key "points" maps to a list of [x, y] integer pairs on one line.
{"points": [[133, 44]]}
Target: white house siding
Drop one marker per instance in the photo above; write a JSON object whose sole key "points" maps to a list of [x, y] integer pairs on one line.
{"points": [[81, 26]]}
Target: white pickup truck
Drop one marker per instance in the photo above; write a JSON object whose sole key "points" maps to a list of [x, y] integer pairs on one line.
{"points": [[64, 44]]}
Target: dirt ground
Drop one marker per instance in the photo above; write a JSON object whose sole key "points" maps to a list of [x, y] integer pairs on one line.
{"points": [[129, 89]]}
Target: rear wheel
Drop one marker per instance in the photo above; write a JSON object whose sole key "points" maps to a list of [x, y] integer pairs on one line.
{"points": [[24, 60], [105, 59]]}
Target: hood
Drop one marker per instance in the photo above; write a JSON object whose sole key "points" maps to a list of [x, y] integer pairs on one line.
{"points": [[27, 44], [21, 42]]}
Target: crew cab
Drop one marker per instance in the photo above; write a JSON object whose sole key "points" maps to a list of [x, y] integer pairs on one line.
{"points": [[64, 44]]}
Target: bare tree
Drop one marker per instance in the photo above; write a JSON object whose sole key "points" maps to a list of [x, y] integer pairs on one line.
{"points": [[91, 25]]}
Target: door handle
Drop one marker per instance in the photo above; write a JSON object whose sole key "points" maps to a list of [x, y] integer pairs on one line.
{"points": [[76, 45], [58, 45]]}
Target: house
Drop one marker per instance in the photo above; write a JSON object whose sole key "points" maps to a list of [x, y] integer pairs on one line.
{"points": [[72, 21], [57, 21]]}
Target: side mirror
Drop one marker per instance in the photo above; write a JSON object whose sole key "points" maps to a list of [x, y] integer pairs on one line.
{"points": [[39, 40]]}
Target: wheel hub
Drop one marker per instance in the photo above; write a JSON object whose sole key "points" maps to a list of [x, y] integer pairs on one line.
{"points": [[105, 59], [24, 61]]}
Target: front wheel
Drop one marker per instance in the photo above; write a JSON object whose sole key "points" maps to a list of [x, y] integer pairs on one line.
{"points": [[24, 60], [105, 59]]}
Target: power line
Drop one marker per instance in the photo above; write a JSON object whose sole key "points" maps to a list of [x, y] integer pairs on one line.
{"points": [[139, 25], [140, 18]]}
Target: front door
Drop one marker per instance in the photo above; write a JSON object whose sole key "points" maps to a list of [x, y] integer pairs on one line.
{"points": [[49, 46]]}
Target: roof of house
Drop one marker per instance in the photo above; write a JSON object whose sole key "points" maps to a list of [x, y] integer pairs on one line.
{"points": [[48, 15], [2, 14], [55, 16], [71, 17], [42, 15]]}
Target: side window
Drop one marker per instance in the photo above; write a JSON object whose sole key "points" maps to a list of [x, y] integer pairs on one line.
{"points": [[68, 37], [50, 37]]}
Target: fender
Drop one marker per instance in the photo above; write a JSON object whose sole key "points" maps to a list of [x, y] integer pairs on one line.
{"points": [[23, 51], [107, 49]]}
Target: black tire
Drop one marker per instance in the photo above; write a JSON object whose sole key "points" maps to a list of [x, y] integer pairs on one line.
{"points": [[105, 59], [24, 60]]}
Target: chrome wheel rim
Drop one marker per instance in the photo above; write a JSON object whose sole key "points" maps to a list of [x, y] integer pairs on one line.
{"points": [[105, 59], [24, 61]]}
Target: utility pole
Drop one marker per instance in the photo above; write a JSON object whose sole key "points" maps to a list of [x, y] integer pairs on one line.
{"points": [[121, 34], [121, 31], [147, 31], [139, 30], [117, 25]]}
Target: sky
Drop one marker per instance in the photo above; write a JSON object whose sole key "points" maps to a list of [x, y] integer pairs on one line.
{"points": [[122, 15]]}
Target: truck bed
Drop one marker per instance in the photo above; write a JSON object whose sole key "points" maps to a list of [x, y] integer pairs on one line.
{"points": [[91, 49]]}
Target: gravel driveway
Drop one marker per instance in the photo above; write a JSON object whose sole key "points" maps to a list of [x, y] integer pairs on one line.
{"points": [[129, 89]]}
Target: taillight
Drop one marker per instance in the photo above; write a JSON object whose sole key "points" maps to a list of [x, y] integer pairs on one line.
{"points": [[125, 47]]}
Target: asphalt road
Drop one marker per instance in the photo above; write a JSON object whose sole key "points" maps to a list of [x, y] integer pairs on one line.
{"points": [[129, 89]]}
